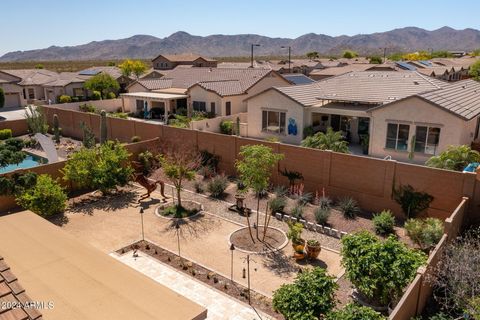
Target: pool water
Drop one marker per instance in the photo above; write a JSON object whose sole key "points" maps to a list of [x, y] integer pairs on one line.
{"points": [[29, 162]]}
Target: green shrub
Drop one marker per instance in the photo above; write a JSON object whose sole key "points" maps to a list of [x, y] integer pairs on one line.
{"points": [[277, 204], [120, 115], [64, 99], [199, 187], [217, 186], [96, 95], [310, 295], [297, 211], [280, 191], [308, 131], [111, 95], [375, 60], [75, 99], [380, 270], [425, 232], [384, 222], [349, 207], [146, 159], [454, 158], [135, 139], [322, 215], [5, 134], [88, 108], [17, 183], [412, 202], [294, 233], [36, 120], [46, 198], [226, 127], [30, 143], [354, 311], [11, 152]]}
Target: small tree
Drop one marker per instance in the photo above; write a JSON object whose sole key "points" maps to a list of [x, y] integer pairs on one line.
{"points": [[376, 60], [331, 140], [179, 165], [11, 152], [454, 158], [36, 120], [103, 83], [313, 55], [425, 232], [104, 167], [46, 198], [2, 98], [292, 176], [474, 71], [255, 170], [135, 67], [349, 54], [379, 269], [310, 295], [355, 312], [412, 202]]}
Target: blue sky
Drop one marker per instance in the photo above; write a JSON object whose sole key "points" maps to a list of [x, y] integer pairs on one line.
{"points": [[33, 24]]}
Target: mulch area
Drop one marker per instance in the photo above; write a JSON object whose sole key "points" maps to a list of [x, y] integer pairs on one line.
{"points": [[273, 239], [66, 146], [233, 289]]}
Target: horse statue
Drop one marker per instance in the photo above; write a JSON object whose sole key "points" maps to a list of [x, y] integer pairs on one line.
{"points": [[149, 184]]}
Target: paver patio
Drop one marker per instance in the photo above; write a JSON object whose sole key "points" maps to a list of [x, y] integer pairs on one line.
{"points": [[219, 305], [111, 224]]}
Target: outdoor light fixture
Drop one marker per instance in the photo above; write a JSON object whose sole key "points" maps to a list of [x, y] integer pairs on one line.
{"points": [[232, 248], [251, 56], [177, 228], [141, 216]]}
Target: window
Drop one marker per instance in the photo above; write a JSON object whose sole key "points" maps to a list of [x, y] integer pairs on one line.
{"points": [[199, 106], [31, 93], [139, 105], [212, 107], [78, 92], [426, 139], [273, 121], [397, 136], [228, 108]]}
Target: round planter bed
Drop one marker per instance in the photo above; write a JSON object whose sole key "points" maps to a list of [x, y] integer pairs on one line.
{"points": [[275, 240], [190, 209]]}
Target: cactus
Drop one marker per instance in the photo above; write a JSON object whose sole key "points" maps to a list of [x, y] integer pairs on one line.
{"points": [[56, 128], [103, 126], [237, 127], [88, 136]]}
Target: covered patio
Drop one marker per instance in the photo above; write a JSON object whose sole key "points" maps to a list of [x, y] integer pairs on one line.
{"points": [[153, 105]]}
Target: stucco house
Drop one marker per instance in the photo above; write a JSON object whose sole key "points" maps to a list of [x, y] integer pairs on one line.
{"points": [[218, 91], [401, 113], [170, 61]]}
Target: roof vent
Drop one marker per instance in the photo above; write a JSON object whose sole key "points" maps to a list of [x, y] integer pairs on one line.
{"points": [[464, 86], [416, 83], [392, 98]]}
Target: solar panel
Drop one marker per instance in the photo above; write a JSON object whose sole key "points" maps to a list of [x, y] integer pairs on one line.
{"points": [[406, 66], [89, 72], [298, 79], [426, 63]]}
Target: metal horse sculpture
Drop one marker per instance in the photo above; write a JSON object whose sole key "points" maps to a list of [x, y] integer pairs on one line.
{"points": [[149, 184]]}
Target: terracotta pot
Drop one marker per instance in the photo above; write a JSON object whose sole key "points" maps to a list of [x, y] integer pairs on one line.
{"points": [[313, 251], [299, 245], [299, 255]]}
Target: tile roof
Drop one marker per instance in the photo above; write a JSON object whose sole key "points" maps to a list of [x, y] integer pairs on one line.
{"points": [[33, 76], [65, 78], [298, 78], [372, 87], [115, 72], [226, 81], [186, 57], [461, 98], [335, 71], [13, 299]]}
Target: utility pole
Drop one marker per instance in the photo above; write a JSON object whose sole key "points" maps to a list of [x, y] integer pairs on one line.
{"points": [[289, 57], [251, 55]]}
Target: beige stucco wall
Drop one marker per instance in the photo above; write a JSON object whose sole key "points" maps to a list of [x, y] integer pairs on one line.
{"points": [[13, 90], [136, 87], [274, 101], [415, 111]]}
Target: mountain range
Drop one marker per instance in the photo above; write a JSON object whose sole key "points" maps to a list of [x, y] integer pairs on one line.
{"points": [[146, 47]]}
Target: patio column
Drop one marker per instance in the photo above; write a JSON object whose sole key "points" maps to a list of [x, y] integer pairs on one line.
{"points": [[165, 110]]}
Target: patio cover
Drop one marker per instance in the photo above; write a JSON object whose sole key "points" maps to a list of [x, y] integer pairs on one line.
{"points": [[154, 95]]}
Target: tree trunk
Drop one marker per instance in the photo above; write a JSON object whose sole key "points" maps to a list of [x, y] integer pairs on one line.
{"points": [[265, 225], [248, 224], [258, 213], [178, 197]]}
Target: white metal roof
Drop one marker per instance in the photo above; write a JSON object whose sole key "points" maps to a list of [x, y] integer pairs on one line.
{"points": [[154, 95]]}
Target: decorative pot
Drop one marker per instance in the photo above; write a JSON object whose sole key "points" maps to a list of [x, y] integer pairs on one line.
{"points": [[239, 201], [298, 245], [299, 255], [313, 251]]}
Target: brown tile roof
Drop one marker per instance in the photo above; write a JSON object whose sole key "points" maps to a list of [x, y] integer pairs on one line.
{"points": [[33, 76], [115, 72], [13, 300], [371, 87], [186, 57], [461, 98], [335, 71], [226, 81]]}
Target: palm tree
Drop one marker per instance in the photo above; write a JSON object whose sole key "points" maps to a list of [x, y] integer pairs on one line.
{"points": [[331, 140], [454, 158]]}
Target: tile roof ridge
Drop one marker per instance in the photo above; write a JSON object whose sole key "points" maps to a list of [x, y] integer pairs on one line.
{"points": [[428, 79]]}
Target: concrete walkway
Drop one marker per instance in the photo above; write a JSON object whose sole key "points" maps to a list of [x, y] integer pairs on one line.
{"points": [[219, 305]]}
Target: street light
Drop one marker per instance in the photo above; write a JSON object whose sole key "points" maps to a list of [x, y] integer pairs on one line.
{"points": [[141, 215], [177, 228], [289, 55], [251, 56], [232, 248]]}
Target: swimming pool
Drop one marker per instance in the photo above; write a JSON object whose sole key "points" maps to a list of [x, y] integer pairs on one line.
{"points": [[30, 161]]}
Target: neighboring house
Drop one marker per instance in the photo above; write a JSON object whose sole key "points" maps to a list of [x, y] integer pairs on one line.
{"points": [[447, 69], [390, 108], [298, 78], [114, 72], [218, 91], [67, 83], [343, 68], [170, 61]]}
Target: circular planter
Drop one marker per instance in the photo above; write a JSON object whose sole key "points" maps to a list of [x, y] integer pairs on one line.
{"points": [[233, 239], [361, 299], [167, 204], [313, 251]]}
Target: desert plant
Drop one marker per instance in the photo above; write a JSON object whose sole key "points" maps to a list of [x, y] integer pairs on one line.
{"points": [[349, 54], [349, 207], [292, 176], [380, 270], [354, 311], [297, 211], [199, 187], [103, 126], [135, 139], [226, 127], [304, 198], [425, 232], [412, 202], [330, 140], [36, 120], [210, 160], [56, 128], [103, 83], [88, 108], [5, 134], [310, 295], [322, 215], [384, 222], [111, 95], [280, 191], [217, 186], [272, 139], [96, 95], [147, 160], [454, 158], [277, 204], [11, 152], [17, 183], [104, 167], [294, 233], [255, 169], [375, 60], [46, 198], [88, 136], [64, 99], [325, 202]]}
